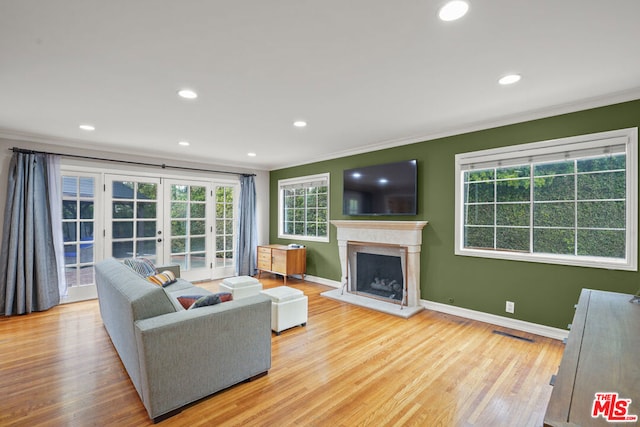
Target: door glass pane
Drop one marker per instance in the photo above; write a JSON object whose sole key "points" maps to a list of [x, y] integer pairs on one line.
{"points": [[197, 244], [179, 192], [86, 209], [86, 252], [179, 260], [70, 186], [123, 190], [198, 210], [146, 228], [122, 249], [178, 246], [146, 210], [198, 194], [86, 187], [70, 254], [147, 249], [122, 210], [178, 228], [69, 210], [147, 191], [198, 260], [178, 210], [197, 227], [69, 231], [122, 230]]}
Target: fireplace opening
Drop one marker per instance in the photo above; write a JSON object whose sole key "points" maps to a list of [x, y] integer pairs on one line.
{"points": [[380, 276]]}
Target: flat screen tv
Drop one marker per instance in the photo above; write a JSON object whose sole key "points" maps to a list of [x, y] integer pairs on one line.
{"points": [[384, 189]]}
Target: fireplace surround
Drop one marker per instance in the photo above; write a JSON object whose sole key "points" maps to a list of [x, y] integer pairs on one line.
{"points": [[387, 238]]}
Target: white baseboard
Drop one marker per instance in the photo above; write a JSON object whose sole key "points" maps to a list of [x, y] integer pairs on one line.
{"points": [[519, 325], [322, 281]]}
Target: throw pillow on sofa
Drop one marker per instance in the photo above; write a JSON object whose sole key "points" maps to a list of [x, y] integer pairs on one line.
{"points": [[163, 279], [187, 300], [143, 266], [196, 301]]}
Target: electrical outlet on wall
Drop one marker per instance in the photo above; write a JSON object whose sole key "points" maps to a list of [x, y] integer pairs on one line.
{"points": [[510, 307]]}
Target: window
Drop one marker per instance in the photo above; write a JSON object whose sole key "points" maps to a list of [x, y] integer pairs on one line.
{"points": [[303, 212], [569, 201]]}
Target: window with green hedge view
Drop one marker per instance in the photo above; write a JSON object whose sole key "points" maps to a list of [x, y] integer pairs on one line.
{"points": [[559, 203]]}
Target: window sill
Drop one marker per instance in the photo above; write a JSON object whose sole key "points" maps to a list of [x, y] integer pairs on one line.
{"points": [[305, 238], [575, 261]]}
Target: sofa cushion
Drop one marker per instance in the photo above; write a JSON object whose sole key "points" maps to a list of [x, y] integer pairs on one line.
{"points": [[179, 285], [143, 266]]}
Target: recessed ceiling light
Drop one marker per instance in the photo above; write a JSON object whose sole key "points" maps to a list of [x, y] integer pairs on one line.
{"points": [[184, 143], [251, 154], [299, 123], [87, 127], [453, 10], [510, 79], [187, 94]]}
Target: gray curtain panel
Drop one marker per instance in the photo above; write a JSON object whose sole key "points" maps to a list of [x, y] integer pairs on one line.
{"points": [[28, 269], [247, 230]]}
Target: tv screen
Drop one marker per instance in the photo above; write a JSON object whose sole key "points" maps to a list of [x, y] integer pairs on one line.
{"points": [[385, 189]]}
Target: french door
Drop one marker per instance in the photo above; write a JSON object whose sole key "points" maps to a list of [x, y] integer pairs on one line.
{"points": [[188, 226], [172, 221]]}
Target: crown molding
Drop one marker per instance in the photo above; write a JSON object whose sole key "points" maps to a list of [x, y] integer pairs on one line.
{"points": [[556, 110]]}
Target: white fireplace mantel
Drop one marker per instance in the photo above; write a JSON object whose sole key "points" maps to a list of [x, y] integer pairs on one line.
{"points": [[402, 233]]}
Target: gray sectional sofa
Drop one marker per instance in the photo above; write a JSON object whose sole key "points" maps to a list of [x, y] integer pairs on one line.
{"points": [[176, 356]]}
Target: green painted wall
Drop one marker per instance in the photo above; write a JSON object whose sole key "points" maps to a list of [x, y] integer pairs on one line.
{"points": [[543, 293]]}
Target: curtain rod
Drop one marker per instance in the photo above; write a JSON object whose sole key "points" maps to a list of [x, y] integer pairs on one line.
{"points": [[163, 166]]}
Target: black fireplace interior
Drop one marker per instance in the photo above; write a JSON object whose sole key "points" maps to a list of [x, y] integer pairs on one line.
{"points": [[380, 275]]}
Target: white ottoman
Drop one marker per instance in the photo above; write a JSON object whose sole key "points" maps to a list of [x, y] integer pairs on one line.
{"points": [[288, 308], [241, 286]]}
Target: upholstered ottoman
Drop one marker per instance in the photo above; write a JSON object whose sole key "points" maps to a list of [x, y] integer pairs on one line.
{"points": [[241, 286], [288, 308]]}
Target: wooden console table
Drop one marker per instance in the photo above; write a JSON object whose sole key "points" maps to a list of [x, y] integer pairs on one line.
{"points": [[601, 356], [281, 259]]}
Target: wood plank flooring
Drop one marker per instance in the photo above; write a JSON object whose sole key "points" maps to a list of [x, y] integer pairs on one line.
{"points": [[349, 366]]}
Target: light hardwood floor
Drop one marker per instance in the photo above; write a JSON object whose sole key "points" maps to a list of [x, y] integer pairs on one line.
{"points": [[349, 366]]}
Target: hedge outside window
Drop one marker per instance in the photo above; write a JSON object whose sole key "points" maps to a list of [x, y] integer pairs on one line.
{"points": [[570, 201], [304, 208]]}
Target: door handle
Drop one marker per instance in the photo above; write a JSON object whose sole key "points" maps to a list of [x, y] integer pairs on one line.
{"points": [[159, 240]]}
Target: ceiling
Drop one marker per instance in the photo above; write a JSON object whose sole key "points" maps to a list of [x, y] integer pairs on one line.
{"points": [[364, 74]]}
